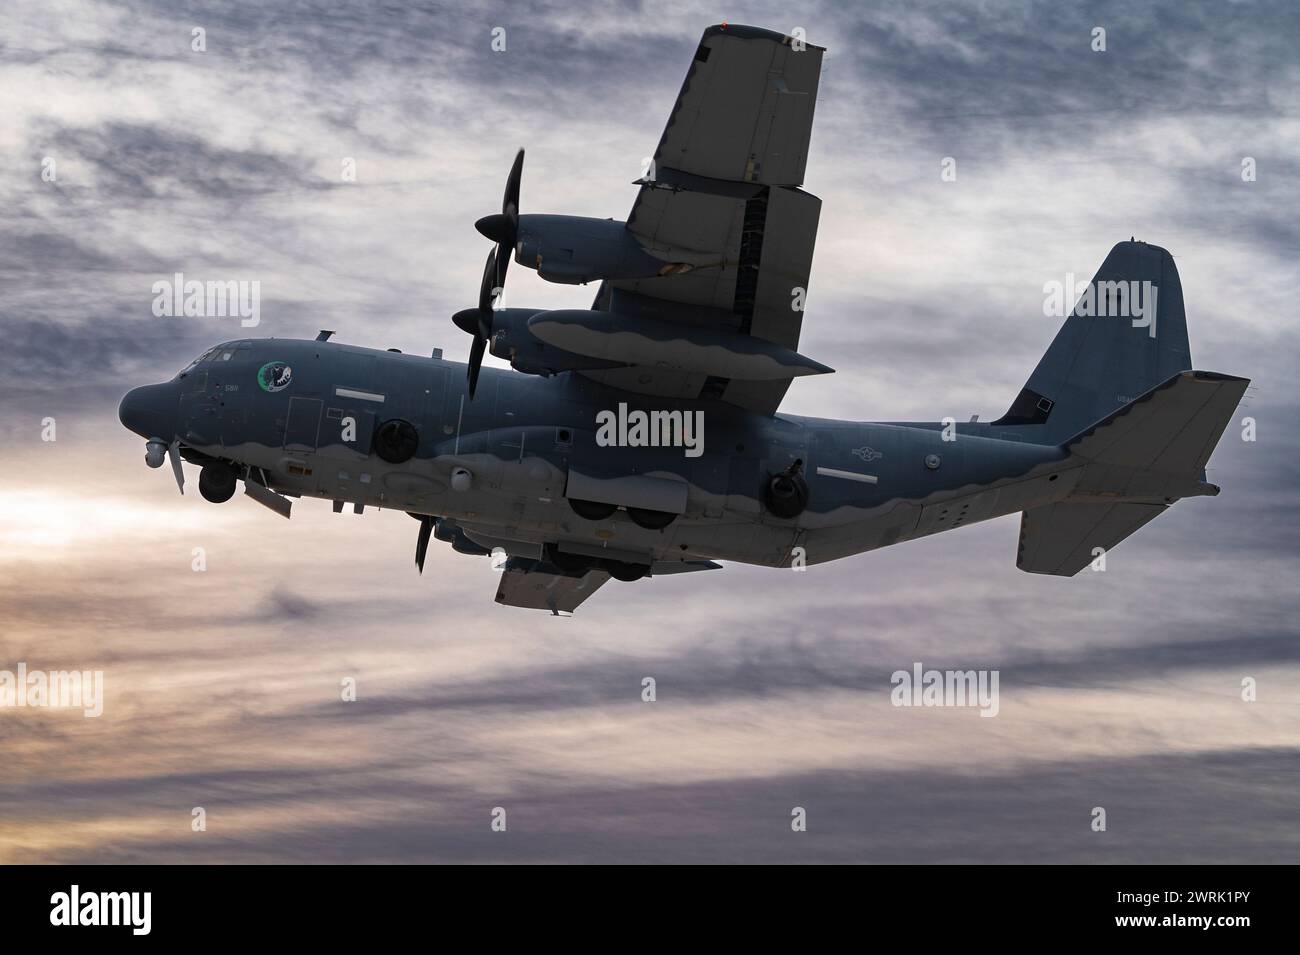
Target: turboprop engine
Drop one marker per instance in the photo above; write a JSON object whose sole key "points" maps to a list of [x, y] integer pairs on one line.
{"points": [[573, 250]]}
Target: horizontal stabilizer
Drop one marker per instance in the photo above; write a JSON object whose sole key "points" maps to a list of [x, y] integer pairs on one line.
{"points": [[1173, 428], [1138, 460], [1060, 538]]}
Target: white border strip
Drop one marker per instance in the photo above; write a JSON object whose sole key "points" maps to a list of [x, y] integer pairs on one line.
{"points": [[363, 395], [848, 475]]}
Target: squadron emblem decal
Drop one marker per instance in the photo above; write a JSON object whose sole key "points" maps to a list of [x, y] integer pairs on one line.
{"points": [[274, 376]]}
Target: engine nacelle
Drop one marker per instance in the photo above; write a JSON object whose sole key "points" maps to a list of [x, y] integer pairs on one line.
{"points": [[574, 250], [511, 340], [448, 532]]}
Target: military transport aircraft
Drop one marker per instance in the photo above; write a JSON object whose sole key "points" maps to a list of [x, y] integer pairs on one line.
{"points": [[641, 436]]}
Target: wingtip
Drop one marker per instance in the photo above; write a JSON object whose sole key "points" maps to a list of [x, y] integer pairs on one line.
{"points": [[746, 32]]}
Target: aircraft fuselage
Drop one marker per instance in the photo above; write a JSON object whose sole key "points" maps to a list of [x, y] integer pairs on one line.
{"points": [[499, 465]]}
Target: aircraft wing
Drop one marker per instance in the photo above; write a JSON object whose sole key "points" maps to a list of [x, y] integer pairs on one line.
{"points": [[536, 586], [722, 203], [529, 581]]}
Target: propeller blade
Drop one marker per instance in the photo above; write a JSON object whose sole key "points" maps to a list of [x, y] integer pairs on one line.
{"points": [[174, 455], [487, 286], [510, 202], [422, 542], [476, 363], [502, 264]]}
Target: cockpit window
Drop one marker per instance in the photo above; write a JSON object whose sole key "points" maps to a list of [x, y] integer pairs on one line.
{"points": [[224, 352], [190, 367]]}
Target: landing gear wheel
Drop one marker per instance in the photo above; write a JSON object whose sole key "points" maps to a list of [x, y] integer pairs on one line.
{"points": [[592, 510], [626, 572], [217, 482], [650, 520]]}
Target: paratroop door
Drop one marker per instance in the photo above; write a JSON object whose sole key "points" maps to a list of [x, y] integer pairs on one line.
{"points": [[302, 424]]}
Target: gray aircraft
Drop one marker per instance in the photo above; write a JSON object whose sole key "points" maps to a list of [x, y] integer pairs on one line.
{"points": [[642, 436]]}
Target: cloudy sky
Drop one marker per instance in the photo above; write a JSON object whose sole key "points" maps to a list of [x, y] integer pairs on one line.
{"points": [[1119, 689]]}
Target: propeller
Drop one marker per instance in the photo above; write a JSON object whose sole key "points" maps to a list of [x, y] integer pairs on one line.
{"points": [[478, 321], [503, 229]]}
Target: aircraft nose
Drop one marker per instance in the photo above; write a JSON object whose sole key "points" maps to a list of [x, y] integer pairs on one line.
{"points": [[149, 411]]}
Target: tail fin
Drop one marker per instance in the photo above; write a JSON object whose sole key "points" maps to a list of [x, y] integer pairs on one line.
{"points": [[1110, 349], [1137, 461]]}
